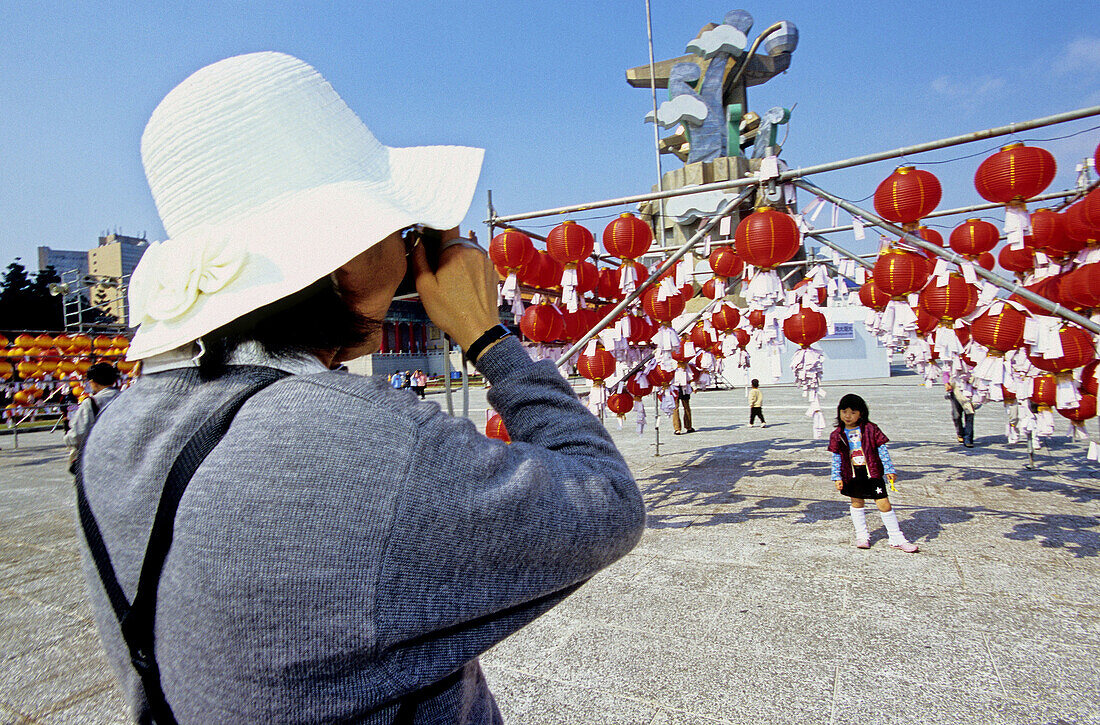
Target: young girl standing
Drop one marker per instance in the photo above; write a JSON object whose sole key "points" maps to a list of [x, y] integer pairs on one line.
{"points": [[860, 462]]}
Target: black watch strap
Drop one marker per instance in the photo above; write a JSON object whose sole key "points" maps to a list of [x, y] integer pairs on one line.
{"points": [[497, 332]]}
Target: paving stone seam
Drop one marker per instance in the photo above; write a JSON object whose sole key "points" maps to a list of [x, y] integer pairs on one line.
{"points": [[73, 699], [62, 610]]}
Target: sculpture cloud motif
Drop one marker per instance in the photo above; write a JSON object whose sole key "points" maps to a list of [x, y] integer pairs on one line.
{"points": [[681, 109], [722, 39]]}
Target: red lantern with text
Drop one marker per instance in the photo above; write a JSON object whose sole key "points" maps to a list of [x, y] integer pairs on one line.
{"points": [[627, 237], [1001, 332], [898, 273], [907, 195], [766, 238], [973, 237], [805, 327], [1015, 174], [956, 299]]}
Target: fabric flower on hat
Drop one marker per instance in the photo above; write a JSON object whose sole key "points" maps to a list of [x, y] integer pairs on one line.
{"points": [[173, 274]]}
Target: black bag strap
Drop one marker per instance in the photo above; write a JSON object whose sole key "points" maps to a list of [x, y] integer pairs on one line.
{"points": [[136, 620], [94, 405]]}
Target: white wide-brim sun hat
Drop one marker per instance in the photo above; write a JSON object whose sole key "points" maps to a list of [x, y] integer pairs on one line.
{"points": [[266, 181]]}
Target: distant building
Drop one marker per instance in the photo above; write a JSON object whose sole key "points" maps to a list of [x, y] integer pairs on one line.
{"points": [[116, 257], [63, 260]]}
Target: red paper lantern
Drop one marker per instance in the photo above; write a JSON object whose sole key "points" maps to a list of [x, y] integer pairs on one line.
{"points": [[1020, 261], [1081, 287], [639, 386], [620, 403], [985, 261], [542, 323], [1001, 332], [1089, 378], [973, 237], [569, 242], [1084, 410], [725, 318], [724, 262], [871, 296], [598, 366], [933, 237], [662, 310], [1079, 232], [1044, 390], [898, 273], [1041, 288], [576, 324], [1048, 232], [627, 237], [608, 285], [700, 337], [756, 318], [1091, 208], [1015, 173], [766, 238], [659, 377], [805, 327], [907, 195], [822, 293], [494, 428], [956, 299], [543, 272], [963, 333], [587, 277], [1077, 351], [925, 322], [511, 250], [710, 289]]}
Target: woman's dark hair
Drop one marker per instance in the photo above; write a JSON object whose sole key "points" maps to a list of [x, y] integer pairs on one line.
{"points": [[313, 319], [851, 401], [104, 374]]}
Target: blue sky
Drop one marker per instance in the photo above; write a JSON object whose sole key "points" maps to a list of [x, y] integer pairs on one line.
{"points": [[540, 85]]}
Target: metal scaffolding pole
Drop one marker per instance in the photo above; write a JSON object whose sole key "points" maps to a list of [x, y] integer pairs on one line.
{"points": [[817, 168], [1012, 287], [726, 209]]}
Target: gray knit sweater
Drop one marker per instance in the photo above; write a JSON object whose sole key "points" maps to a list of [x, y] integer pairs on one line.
{"points": [[346, 543]]}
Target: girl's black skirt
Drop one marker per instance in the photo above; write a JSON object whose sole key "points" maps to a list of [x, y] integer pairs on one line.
{"points": [[860, 486]]}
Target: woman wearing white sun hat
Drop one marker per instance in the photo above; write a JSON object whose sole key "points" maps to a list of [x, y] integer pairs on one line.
{"points": [[284, 541]]}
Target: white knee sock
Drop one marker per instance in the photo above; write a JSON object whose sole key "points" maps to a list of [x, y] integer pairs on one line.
{"points": [[859, 520], [890, 519]]}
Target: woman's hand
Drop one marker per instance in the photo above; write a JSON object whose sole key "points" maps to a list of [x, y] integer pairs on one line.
{"points": [[839, 484], [460, 296]]}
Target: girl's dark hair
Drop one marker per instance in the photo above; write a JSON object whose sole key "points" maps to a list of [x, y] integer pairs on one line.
{"points": [[313, 319], [103, 373], [851, 401]]}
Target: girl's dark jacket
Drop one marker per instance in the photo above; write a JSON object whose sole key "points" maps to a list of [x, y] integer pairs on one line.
{"points": [[872, 438]]}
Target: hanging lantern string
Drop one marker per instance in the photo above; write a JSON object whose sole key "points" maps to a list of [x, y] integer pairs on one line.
{"points": [[728, 208], [686, 326], [1012, 287]]}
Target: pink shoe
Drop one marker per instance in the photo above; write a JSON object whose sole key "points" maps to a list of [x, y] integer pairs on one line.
{"points": [[907, 547], [863, 544]]}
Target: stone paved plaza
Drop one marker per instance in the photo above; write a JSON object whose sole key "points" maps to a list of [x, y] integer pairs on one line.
{"points": [[745, 601]]}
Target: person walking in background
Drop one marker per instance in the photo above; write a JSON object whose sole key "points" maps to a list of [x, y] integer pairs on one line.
{"points": [[756, 405], [860, 462], [962, 414], [419, 382], [102, 378], [683, 399]]}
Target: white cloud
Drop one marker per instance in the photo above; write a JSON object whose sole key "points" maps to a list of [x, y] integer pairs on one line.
{"points": [[1079, 56], [967, 87], [681, 109], [724, 38]]}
